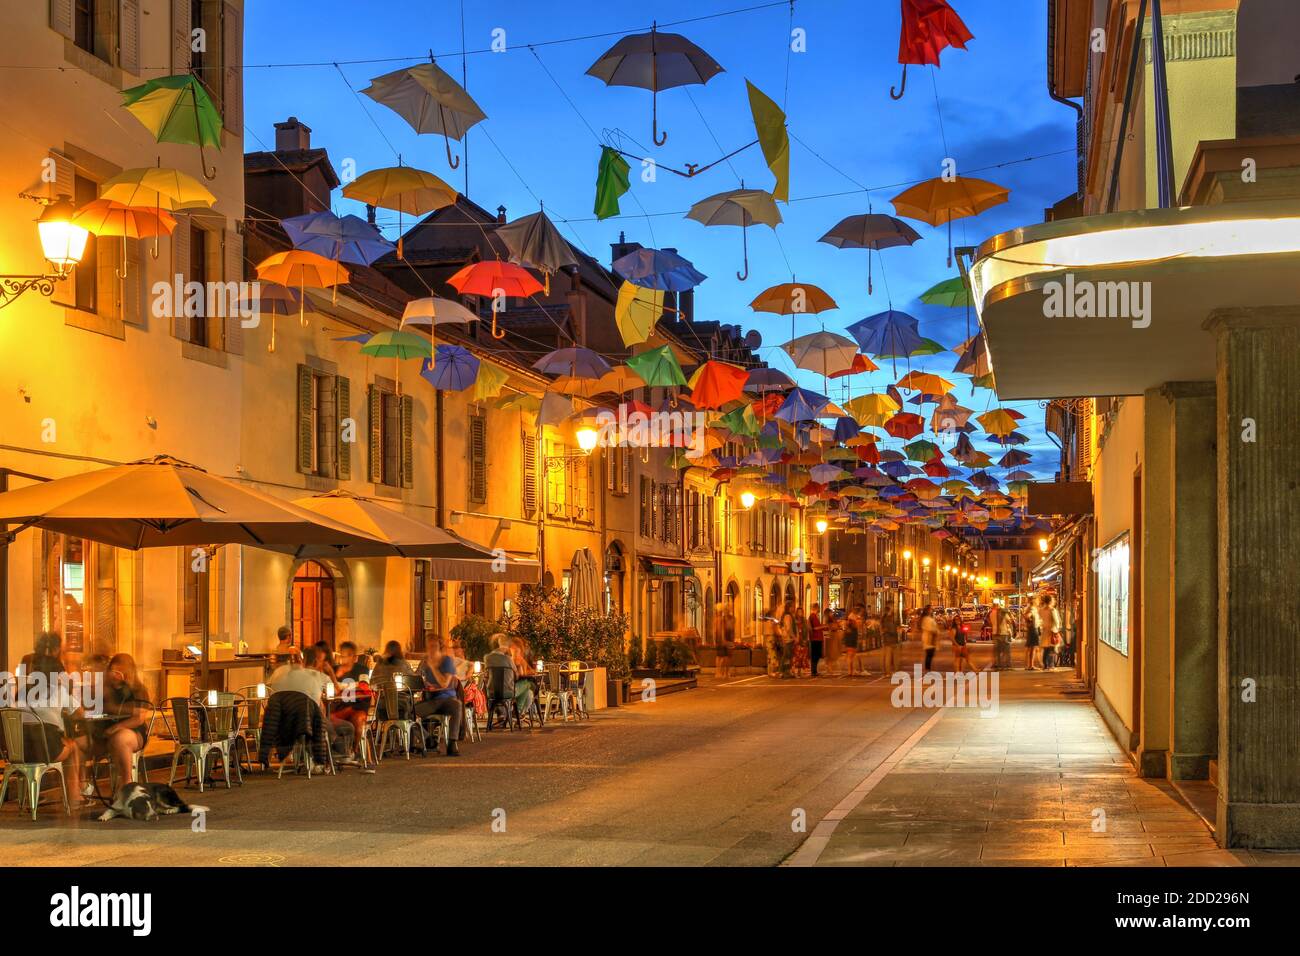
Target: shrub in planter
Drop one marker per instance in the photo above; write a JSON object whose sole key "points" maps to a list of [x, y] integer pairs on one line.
{"points": [[652, 654], [634, 654], [557, 631], [475, 633]]}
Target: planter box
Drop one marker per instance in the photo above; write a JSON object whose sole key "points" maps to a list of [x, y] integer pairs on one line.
{"points": [[593, 697], [707, 656], [758, 657], [740, 657]]}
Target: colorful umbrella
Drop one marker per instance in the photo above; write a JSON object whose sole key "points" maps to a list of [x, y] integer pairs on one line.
{"points": [[534, 242], [773, 138], [890, 334], [925, 382], [177, 109], [574, 362], [492, 278], [822, 352], [872, 409], [764, 379], [738, 207], [941, 200], [950, 292], [716, 383], [303, 270], [341, 238], [905, 425], [860, 364], [429, 100], [637, 311], [433, 310], [655, 61], [928, 27], [107, 219], [870, 231], [611, 182], [158, 188], [398, 345], [801, 405], [454, 369], [403, 189], [658, 367], [1000, 421], [658, 269], [489, 381]]}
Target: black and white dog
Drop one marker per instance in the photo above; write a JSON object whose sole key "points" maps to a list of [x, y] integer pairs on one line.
{"points": [[146, 801]]}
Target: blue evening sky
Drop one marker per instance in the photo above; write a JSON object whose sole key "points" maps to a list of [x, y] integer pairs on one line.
{"points": [[991, 108]]}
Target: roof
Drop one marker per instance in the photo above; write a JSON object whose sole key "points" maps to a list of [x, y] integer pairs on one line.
{"points": [[294, 161]]}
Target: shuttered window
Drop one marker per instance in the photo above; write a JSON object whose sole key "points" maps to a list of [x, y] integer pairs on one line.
{"points": [[478, 458], [392, 438], [647, 507], [529, 457], [322, 404], [109, 30]]}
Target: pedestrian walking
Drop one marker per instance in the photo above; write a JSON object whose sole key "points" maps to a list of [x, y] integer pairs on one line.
{"points": [[724, 625], [787, 639], [1031, 638], [889, 638], [870, 636], [850, 642], [1001, 628], [929, 628], [801, 664], [816, 637], [1049, 629], [960, 648]]}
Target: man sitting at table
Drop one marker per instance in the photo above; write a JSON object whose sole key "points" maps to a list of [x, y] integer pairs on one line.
{"points": [[301, 675], [438, 672]]}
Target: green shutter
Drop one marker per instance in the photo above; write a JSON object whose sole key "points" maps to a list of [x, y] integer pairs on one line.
{"points": [[306, 421], [407, 411], [375, 399], [343, 406]]}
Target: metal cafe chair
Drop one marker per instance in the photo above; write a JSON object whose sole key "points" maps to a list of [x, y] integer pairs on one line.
{"points": [[579, 674], [550, 693], [499, 700], [223, 717], [397, 702], [254, 697], [31, 767], [189, 724]]}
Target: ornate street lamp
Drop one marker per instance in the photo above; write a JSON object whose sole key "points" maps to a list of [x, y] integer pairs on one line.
{"points": [[63, 244]]}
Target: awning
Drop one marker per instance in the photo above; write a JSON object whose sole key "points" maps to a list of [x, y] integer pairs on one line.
{"points": [[667, 567], [1060, 498]]}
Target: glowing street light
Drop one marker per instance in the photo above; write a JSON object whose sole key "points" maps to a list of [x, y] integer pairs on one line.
{"points": [[821, 524], [747, 499], [588, 438]]}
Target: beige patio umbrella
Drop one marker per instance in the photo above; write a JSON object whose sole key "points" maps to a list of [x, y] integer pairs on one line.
{"points": [[430, 100], [738, 207], [391, 533], [164, 502]]}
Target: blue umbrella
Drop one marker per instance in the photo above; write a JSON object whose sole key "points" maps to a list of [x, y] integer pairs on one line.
{"points": [[453, 369], [658, 269], [341, 238], [846, 428], [887, 334], [801, 405], [574, 362]]}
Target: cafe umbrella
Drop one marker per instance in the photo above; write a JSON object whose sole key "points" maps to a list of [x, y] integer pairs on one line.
{"points": [[165, 502]]}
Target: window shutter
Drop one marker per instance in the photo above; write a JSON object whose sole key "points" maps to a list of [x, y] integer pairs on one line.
{"points": [[611, 466], [108, 293], [232, 62], [407, 410], [343, 406], [181, 51], [306, 421], [128, 35], [132, 310], [625, 472], [233, 272], [530, 475], [181, 267], [477, 458], [589, 467], [645, 506], [61, 18], [375, 399]]}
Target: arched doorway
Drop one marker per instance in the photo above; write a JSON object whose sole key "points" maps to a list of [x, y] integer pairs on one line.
{"points": [[313, 605]]}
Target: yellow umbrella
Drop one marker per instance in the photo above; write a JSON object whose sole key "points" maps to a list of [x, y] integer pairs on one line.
{"points": [[997, 422], [637, 311], [620, 379], [489, 382], [875, 408], [941, 200], [925, 382], [303, 269], [157, 187], [403, 189]]}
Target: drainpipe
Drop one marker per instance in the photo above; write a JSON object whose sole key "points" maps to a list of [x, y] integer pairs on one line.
{"points": [[1080, 145], [1134, 57], [1164, 138], [440, 498]]}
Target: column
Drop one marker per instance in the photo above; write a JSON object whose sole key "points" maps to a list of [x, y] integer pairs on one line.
{"points": [[1258, 470]]}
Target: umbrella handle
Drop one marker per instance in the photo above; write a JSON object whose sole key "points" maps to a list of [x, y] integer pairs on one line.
{"points": [[870, 291], [121, 273], [271, 347], [744, 244], [452, 161], [898, 95], [495, 334]]}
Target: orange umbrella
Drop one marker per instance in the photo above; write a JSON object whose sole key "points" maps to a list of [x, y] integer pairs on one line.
{"points": [[104, 217], [939, 201], [861, 363], [1000, 421], [926, 382], [793, 298], [303, 269], [716, 383], [495, 278]]}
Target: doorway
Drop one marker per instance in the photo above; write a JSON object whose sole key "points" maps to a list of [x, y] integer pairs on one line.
{"points": [[313, 605]]}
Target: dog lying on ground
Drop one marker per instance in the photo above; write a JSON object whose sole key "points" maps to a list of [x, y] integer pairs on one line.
{"points": [[146, 801]]}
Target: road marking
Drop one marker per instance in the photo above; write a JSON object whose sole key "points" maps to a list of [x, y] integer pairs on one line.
{"points": [[509, 766], [810, 851], [743, 680]]}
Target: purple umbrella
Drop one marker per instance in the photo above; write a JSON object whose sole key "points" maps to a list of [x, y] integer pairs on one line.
{"points": [[341, 238], [801, 405], [873, 232], [658, 269], [454, 369], [574, 362], [887, 335]]}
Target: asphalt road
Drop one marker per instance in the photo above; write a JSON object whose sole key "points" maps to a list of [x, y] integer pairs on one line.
{"points": [[719, 775]]}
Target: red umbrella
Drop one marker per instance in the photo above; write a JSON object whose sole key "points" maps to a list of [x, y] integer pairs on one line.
{"points": [[717, 383], [936, 469], [868, 453], [928, 27], [905, 425], [494, 278], [860, 364]]}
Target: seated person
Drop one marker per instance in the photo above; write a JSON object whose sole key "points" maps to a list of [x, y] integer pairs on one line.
{"points": [[284, 645], [325, 659], [525, 674], [125, 700], [352, 676], [389, 666], [500, 657], [438, 672], [301, 675], [46, 702]]}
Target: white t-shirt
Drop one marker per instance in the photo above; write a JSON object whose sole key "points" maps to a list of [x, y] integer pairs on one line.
{"points": [[1049, 620], [305, 680]]}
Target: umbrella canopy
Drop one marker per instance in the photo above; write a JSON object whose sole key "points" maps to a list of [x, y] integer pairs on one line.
{"points": [[156, 187], [398, 345], [104, 217], [905, 425], [716, 383], [403, 189], [870, 231], [433, 310], [341, 238], [176, 109], [658, 269], [655, 61], [822, 352], [950, 292], [940, 200], [793, 298], [929, 26], [658, 367], [738, 207], [429, 100], [888, 333], [861, 363], [533, 241], [764, 379], [301, 269], [272, 299], [490, 277], [453, 369], [801, 405], [1000, 421], [925, 382], [574, 362], [636, 312]]}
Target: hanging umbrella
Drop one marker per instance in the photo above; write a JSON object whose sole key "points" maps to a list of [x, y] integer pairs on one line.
{"points": [[999, 421], [738, 207], [872, 409], [403, 189], [430, 101], [870, 231], [940, 200], [492, 278], [922, 451], [620, 379], [658, 269], [269, 298], [108, 219], [905, 425], [929, 26], [655, 61], [973, 360], [793, 298], [534, 242], [177, 109], [950, 292], [574, 362], [716, 383], [801, 405], [658, 367], [300, 269], [636, 312], [886, 334], [158, 188], [1013, 458], [925, 382], [1015, 438], [433, 311], [341, 238], [861, 364], [765, 379], [453, 370], [822, 352], [398, 345]]}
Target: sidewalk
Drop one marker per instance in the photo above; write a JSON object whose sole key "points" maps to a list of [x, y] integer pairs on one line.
{"points": [[1042, 783]]}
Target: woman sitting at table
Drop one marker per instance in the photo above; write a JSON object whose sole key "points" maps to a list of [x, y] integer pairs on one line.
{"points": [[438, 672], [471, 693], [525, 674], [388, 667], [46, 702], [325, 660], [126, 701]]}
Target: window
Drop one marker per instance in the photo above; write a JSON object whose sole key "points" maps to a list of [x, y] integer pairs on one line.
{"points": [[618, 470], [391, 438], [83, 26], [647, 507], [477, 457], [192, 618], [205, 63], [997, 577], [1112, 567], [198, 272], [323, 402], [529, 457]]}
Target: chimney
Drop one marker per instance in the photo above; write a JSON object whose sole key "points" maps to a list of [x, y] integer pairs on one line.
{"points": [[370, 214], [501, 213], [292, 135]]}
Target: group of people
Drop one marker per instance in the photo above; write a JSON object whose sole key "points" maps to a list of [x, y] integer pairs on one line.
{"points": [[56, 724]]}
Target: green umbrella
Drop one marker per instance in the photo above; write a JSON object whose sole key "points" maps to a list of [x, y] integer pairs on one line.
{"points": [[611, 182], [176, 109], [658, 367], [741, 421], [921, 450], [401, 345], [950, 292]]}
